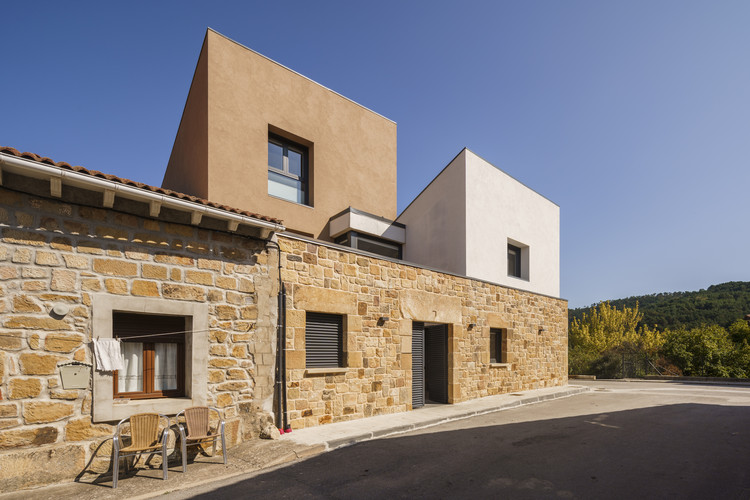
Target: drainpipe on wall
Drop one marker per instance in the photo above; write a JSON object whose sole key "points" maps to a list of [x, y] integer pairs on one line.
{"points": [[281, 418]]}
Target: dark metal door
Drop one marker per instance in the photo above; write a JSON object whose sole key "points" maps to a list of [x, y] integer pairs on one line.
{"points": [[436, 363], [417, 364]]}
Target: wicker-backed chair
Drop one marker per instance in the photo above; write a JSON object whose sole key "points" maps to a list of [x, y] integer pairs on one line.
{"points": [[199, 431], [144, 439]]}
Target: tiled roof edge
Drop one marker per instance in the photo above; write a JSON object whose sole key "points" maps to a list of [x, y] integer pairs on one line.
{"points": [[140, 185]]}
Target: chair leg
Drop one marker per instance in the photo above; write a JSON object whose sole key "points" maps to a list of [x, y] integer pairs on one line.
{"points": [[213, 447], [164, 458], [115, 469], [223, 444]]}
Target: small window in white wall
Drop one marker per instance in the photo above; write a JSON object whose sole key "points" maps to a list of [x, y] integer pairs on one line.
{"points": [[518, 260]]}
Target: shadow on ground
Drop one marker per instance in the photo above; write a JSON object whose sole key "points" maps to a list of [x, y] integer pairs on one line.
{"points": [[674, 451]]}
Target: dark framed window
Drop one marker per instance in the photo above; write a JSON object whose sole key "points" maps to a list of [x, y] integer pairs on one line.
{"points": [[514, 261], [324, 340], [153, 351], [498, 345], [288, 170], [371, 244]]}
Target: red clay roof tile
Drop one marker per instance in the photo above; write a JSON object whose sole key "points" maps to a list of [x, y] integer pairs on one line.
{"points": [[140, 185]]}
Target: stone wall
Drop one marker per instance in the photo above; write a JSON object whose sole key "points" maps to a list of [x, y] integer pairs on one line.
{"points": [[377, 376], [51, 253]]}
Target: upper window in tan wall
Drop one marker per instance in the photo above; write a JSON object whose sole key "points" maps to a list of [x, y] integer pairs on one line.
{"points": [[288, 170]]}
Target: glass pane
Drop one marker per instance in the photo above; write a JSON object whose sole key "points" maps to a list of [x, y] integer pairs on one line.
{"points": [[295, 163], [275, 156], [493, 347], [377, 247], [285, 187], [512, 261], [130, 378], [165, 367]]}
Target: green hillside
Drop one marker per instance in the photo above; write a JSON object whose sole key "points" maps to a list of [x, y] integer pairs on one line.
{"points": [[718, 305]]}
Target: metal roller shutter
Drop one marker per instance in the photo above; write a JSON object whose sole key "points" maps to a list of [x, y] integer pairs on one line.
{"points": [[323, 334], [417, 364]]}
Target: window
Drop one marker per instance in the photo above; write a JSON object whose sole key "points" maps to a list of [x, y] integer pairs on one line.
{"points": [[153, 351], [518, 260], [287, 170], [324, 340], [111, 403], [514, 261], [370, 244], [498, 345]]}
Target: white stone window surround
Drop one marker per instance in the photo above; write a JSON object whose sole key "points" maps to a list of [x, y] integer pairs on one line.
{"points": [[196, 356]]}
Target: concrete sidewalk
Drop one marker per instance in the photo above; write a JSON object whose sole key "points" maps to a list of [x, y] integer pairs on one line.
{"points": [[256, 456]]}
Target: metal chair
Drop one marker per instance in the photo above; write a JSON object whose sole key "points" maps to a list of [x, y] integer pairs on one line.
{"points": [[144, 438], [199, 431]]}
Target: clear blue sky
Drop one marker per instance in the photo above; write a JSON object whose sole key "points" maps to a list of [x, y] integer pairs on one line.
{"points": [[633, 116]]}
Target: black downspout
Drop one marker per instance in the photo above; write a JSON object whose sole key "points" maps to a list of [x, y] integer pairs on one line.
{"points": [[281, 414], [287, 427]]}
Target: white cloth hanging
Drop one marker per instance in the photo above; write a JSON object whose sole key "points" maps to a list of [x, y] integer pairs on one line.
{"points": [[107, 354]]}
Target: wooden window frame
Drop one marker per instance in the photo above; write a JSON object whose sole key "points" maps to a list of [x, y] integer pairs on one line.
{"points": [[149, 350]]}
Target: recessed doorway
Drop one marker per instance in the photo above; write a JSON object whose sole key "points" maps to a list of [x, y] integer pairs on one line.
{"points": [[429, 363]]}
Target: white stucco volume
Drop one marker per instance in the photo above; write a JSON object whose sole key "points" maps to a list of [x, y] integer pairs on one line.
{"points": [[465, 218]]}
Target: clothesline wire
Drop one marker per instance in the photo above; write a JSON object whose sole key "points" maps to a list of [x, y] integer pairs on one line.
{"points": [[21, 336], [160, 334]]}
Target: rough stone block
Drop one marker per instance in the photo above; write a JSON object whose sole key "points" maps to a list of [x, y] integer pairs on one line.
{"points": [[183, 292], [8, 410], [154, 272], [323, 299], [11, 341], [27, 437], [116, 286], [224, 399], [43, 412], [38, 364], [199, 277], [295, 359], [62, 394], [222, 362], [62, 342], [47, 259], [36, 323], [24, 388], [114, 267], [8, 272], [76, 261], [224, 312], [63, 280], [21, 256], [145, 288], [82, 429]]}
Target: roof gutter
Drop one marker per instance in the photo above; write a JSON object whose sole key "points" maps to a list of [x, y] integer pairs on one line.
{"points": [[110, 189]]}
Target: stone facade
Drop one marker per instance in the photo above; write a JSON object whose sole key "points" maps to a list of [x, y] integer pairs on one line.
{"points": [[377, 373], [54, 252]]}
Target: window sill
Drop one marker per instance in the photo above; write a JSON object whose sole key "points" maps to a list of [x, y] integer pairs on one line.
{"points": [[123, 408], [325, 371], [500, 365], [290, 201]]}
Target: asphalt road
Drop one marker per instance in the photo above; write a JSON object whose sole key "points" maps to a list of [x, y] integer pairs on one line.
{"points": [[622, 440]]}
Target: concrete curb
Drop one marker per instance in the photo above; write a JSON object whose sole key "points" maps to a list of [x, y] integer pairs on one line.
{"points": [[523, 401]]}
